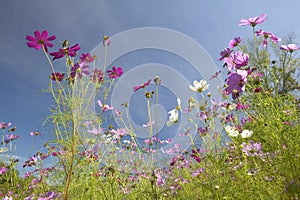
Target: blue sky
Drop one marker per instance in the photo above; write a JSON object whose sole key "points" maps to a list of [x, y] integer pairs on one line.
{"points": [[24, 71]]}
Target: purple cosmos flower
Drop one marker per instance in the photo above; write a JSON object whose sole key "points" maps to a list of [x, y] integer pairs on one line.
{"points": [[252, 149], [253, 21], [12, 137], [86, 58], [225, 53], [236, 60], [142, 85], [235, 42], [4, 125], [236, 82], [80, 69], [69, 51], [3, 170], [289, 47], [40, 40], [115, 72], [57, 76], [267, 35], [97, 76]]}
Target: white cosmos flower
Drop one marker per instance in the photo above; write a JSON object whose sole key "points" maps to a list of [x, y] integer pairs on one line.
{"points": [[246, 133], [173, 118], [231, 131], [199, 86]]}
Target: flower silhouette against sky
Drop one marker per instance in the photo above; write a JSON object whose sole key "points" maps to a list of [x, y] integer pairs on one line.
{"points": [[253, 21], [40, 40], [115, 72], [69, 51], [289, 47]]}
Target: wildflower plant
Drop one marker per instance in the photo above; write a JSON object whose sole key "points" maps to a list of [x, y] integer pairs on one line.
{"points": [[243, 146]]}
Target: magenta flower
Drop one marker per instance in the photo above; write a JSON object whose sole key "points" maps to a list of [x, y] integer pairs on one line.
{"points": [[40, 40], [4, 125], [267, 35], [57, 76], [69, 51], [253, 21], [115, 72], [196, 155], [236, 82], [142, 85], [235, 42], [97, 76], [236, 60], [225, 53], [86, 58], [289, 47], [80, 69]]}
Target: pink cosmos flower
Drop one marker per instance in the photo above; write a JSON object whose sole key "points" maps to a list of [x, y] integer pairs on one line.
{"points": [[79, 69], [57, 76], [289, 47], [86, 58], [115, 72], [236, 60], [4, 125], [119, 133], [12, 137], [40, 40], [96, 131], [235, 42], [236, 82], [148, 124], [69, 51], [142, 85], [253, 21], [225, 53], [35, 133], [267, 35], [104, 107]]}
